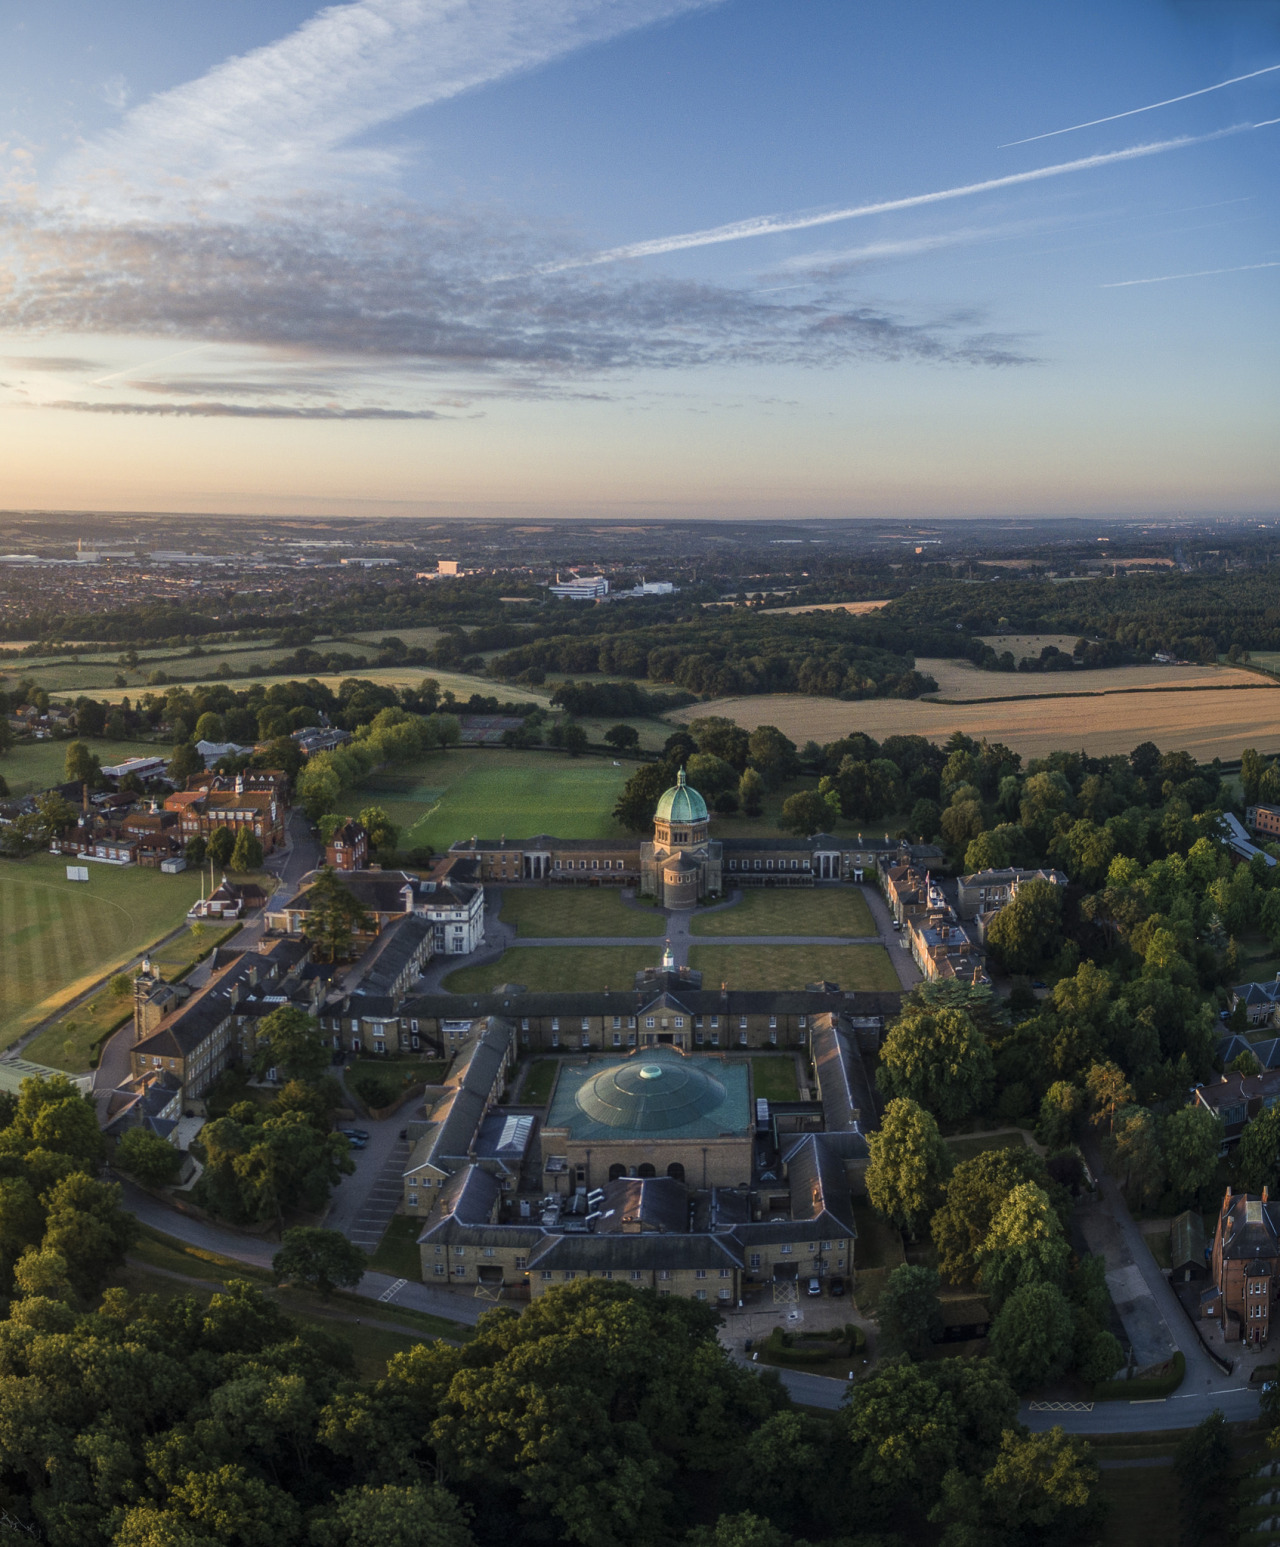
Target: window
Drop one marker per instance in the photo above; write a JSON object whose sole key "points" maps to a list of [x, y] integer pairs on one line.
{"points": [[617, 1022], [768, 864], [812, 1246], [701, 1273], [826, 1246], [379, 1046], [586, 1039], [715, 1020], [664, 1273], [804, 1021], [547, 1275], [697, 1036], [635, 1275], [460, 1269], [569, 1275], [413, 1026], [520, 1262], [524, 1024], [733, 864], [586, 1024], [715, 1039], [757, 864], [413, 1200], [555, 1039], [617, 1039], [724, 1273], [701, 1294], [649, 1022], [557, 867], [786, 1250], [440, 1269], [773, 1021], [488, 1251], [459, 1251], [795, 864], [595, 864], [555, 1023]]}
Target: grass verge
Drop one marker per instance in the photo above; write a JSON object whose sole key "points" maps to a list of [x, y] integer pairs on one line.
{"points": [[856, 967], [397, 1251], [539, 1082]]}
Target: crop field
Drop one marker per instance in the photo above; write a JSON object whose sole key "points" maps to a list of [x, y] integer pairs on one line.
{"points": [[857, 608], [787, 912], [256, 670], [556, 968], [960, 680], [35, 765], [854, 967], [59, 936], [99, 666], [576, 913], [466, 792], [1207, 722], [1019, 645]]}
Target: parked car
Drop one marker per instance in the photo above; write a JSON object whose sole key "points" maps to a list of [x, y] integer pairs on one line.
{"points": [[355, 1138], [837, 1286], [815, 1286]]}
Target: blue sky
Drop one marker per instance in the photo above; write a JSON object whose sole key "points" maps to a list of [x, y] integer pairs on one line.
{"points": [[469, 256]]}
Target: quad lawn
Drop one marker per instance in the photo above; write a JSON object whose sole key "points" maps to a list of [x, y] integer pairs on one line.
{"points": [[539, 1082], [32, 766], [826, 911], [547, 969], [58, 937], [773, 1077], [487, 793], [853, 967], [576, 913]]}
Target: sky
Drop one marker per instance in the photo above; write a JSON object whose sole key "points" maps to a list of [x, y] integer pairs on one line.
{"points": [[641, 258]]}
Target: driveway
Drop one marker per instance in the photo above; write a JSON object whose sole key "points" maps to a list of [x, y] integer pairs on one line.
{"points": [[361, 1205]]}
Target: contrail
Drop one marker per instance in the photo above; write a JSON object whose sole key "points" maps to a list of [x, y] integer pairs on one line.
{"points": [[1150, 108], [769, 225], [1160, 279], [146, 365]]}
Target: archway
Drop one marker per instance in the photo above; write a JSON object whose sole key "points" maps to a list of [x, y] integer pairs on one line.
{"points": [[676, 1171], [645, 1170], [615, 1171]]}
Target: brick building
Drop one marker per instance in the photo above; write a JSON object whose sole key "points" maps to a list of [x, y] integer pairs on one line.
{"points": [[1245, 1267], [347, 848]]}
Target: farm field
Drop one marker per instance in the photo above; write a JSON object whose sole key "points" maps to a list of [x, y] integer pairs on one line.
{"points": [[785, 912], [31, 766], [854, 967], [576, 913], [857, 608], [466, 792], [548, 969], [1019, 645], [395, 676], [59, 936], [99, 666], [1208, 723], [960, 680]]}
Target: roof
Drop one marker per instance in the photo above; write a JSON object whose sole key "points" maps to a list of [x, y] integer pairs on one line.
{"points": [[457, 1121], [644, 1203], [582, 1251], [819, 1190], [681, 803], [511, 1000], [659, 1091], [1187, 1240], [1249, 1227]]}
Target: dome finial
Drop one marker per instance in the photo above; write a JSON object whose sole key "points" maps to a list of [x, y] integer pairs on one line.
{"points": [[680, 778]]}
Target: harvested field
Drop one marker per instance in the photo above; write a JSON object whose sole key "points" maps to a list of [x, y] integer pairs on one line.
{"points": [[857, 608], [1019, 645], [960, 680], [1207, 722]]}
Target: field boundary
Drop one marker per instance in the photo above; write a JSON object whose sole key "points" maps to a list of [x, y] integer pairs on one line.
{"points": [[1020, 698]]}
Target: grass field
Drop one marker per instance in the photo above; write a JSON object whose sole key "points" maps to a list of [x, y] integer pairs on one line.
{"points": [[865, 967], [397, 1251], [547, 912], [35, 765], [960, 680], [539, 1082], [256, 669], [546, 969], [57, 937], [773, 1077], [1207, 722], [466, 792], [785, 912]]}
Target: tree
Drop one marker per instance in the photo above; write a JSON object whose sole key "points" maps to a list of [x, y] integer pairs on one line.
{"points": [[925, 819], [54, 1118], [260, 1165], [1191, 1138], [1060, 1110], [210, 727], [773, 755], [53, 813], [121, 986], [288, 1039], [1258, 1153], [185, 763], [909, 1163], [380, 828], [220, 846], [939, 1058], [153, 1160], [1099, 1358], [1028, 928], [322, 1259], [82, 765], [974, 1196], [909, 1311], [194, 850], [1108, 1090], [1039, 1493], [805, 812], [86, 1224], [333, 916], [1024, 1245], [1204, 1464], [1134, 1149], [246, 853], [751, 793], [572, 737], [1033, 1335], [640, 794], [622, 738], [711, 775]]}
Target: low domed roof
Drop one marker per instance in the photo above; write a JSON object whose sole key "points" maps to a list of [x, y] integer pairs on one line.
{"points": [[681, 803], [650, 1093]]}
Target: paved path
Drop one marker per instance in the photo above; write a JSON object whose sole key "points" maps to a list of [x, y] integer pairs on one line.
{"points": [[893, 941], [361, 1206]]}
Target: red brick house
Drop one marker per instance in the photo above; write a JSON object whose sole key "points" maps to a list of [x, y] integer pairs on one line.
{"points": [[348, 848], [1245, 1267]]}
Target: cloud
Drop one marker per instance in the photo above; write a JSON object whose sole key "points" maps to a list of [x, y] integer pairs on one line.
{"points": [[115, 92], [281, 115], [1149, 108], [771, 225], [829, 264], [61, 363], [208, 410]]}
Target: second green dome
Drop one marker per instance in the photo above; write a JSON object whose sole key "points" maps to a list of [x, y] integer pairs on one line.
{"points": [[681, 803]]}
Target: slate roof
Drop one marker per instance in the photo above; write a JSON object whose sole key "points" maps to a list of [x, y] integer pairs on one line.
{"points": [[1249, 1228], [652, 1203], [582, 1251], [511, 1001], [819, 1190]]}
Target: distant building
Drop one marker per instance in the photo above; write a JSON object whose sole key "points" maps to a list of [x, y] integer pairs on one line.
{"points": [[1238, 842], [987, 891], [214, 751], [1263, 819], [581, 588], [1237, 1098], [140, 767]]}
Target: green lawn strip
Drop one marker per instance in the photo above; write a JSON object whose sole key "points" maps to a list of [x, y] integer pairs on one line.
{"points": [[575, 913], [539, 1082], [176, 958], [965, 1146], [58, 938], [773, 1077], [546, 969], [397, 1251], [1142, 1507], [787, 911], [32, 766], [72, 1043], [865, 967]]}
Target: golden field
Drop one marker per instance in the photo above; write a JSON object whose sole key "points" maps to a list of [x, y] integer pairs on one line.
{"points": [[1207, 722], [957, 679], [858, 608], [1019, 645]]}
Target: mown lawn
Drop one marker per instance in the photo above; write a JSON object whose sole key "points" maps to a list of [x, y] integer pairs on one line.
{"points": [[545, 969], [574, 913], [822, 911], [57, 937], [773, 1077], [32, 766], [539, 1082], [853, 967], [397, 1251]]}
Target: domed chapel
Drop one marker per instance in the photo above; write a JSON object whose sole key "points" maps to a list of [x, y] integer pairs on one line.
{"points": [[683, 863]]}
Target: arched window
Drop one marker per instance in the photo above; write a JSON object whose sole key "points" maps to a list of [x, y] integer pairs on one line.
{"points": [[645, 1170], [676, 1170], [615, 1171]]}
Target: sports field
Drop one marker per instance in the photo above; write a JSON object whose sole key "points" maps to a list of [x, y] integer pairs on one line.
{"points": [[468, 792], [57, 936], [576, 914], [1207, 722], [32, 766], [548, 969], [785, 912], [854, 967]]}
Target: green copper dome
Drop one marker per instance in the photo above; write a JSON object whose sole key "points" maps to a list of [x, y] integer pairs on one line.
{"points": [[651, 1093], [681, 803]]}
